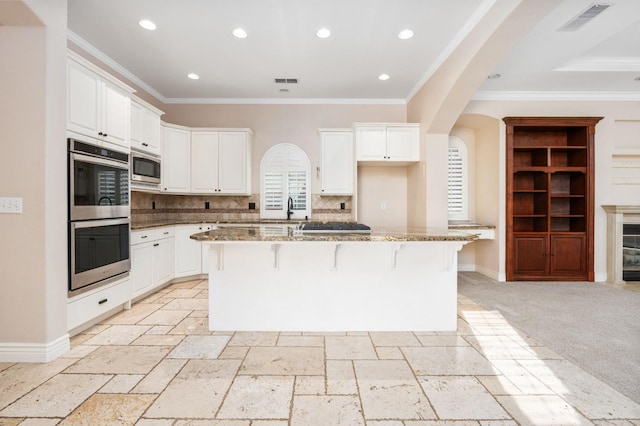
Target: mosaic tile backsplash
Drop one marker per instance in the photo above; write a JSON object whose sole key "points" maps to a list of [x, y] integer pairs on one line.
{"points": [[152, 207]]}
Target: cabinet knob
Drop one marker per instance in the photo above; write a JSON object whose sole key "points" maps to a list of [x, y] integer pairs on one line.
{"points": [[143, 237], [105, 135], [100, 133], [156, 244]]}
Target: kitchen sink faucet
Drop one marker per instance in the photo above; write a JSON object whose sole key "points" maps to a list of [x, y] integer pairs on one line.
{"points": [[289, 208]]}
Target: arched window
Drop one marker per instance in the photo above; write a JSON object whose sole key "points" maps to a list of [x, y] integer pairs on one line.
{"points": [[284, 172], [457, 179]]}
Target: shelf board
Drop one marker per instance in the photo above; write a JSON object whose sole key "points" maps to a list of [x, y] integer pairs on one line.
{"points": [[529, 215], [526, 191]]}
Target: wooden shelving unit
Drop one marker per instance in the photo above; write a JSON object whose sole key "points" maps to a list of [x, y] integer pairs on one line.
{"points": [[550, 171]]}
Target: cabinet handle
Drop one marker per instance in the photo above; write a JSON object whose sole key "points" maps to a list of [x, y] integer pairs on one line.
{"points": [[143, 237], [145, 144], [100, 133], [102, 301], [105, 135], [166, 233], [156, 244]]}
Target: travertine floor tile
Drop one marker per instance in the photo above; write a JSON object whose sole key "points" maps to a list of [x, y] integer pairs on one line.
{"points": [[160, 376], [389, 390], [120, 360], [109, 409], [36, 422], [137, 312], [341, 378], [19, 379], [264, 360], [79, 351], [121, 383], [248, 338], [165, 317], [394, 338], [461, 398], [200, 347], [545, 410], [327, 410], [389, 352], [234, 352], [442, 341], [57, 397], [192, 326], [187, 305], [213, 423], [199, 314], [5, 365], [155, 422], [526, 382], [160, 329], [349, 347], [118, 335], [258, 397], [309, 385], [448, 361], [183, 293], [158, 340], [197, 391], [300, 340]]}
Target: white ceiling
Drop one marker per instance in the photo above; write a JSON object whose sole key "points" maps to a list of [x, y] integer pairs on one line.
{"points": [[195, 36]]}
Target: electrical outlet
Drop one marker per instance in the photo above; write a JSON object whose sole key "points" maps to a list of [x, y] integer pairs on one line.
{"points": [[343, 206], [10, 205], [383, 206], [153, 205], [207, 206], [252, 206]]}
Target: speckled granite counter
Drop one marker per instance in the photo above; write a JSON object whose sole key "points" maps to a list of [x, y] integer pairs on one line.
{"points": [[136, 226], [284, 233]]}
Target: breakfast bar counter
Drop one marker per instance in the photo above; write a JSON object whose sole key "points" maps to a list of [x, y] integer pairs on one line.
{"points": [[275, 278]]}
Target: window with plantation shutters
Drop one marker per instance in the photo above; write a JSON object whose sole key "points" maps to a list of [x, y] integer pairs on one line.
{"points": [[285, 173], [457, 180]]}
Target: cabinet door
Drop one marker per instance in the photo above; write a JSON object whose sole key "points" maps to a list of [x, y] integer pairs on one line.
{"points": [[567, 256], [336, 163], [116, 120], [371, 143], [204, 162], [530, 255], [150, 123], [188, 251], [141, 274], [176, 160], [135, 128], [403, 144], [233, 163], [163, 261], [83, 98]]}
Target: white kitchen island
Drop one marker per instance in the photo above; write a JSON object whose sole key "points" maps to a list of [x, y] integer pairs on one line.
{"points": [[269, 278]]}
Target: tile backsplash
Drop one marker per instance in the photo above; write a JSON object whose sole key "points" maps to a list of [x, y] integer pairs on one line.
{"points": [[149, 207]]}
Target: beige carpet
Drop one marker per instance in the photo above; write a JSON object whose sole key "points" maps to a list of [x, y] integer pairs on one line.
{"points": [[593, 325]]}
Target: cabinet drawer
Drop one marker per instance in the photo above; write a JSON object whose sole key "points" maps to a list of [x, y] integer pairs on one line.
{"points": [[153, 234], [87, 307]]}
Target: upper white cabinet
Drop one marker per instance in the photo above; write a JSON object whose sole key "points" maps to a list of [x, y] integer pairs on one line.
{"points": [[98, 105], [221, 162], [336, 162], [388, 143], [176, 160], [145, 126]]}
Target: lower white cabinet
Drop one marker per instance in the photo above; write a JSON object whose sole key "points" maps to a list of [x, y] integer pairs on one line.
{"points": [[152, 258], [188, 251], [92, 304]]}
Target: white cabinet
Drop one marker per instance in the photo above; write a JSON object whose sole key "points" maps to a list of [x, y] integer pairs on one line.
{"points": [[145, 127], [336, 162], [176, 160], [221, 162], [152, 259], [393, 144], [188, 251], [90, 306], [97, 105]]}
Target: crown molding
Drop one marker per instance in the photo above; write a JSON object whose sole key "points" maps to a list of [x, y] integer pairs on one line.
{"points": [[289, 101], [603, 64], [603, 96], [101, 56]]}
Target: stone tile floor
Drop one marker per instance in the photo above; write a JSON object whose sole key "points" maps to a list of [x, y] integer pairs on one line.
{"points": [[158, 364]]}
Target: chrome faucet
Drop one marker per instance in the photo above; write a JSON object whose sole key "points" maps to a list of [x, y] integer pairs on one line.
{"points": [[289, 208]]}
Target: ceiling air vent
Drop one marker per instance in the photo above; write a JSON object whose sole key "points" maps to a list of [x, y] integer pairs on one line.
{"points": [[286, 80], [577, 22]]}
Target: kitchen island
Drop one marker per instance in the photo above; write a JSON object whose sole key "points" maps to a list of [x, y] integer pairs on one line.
{"points": [[273, 278]]}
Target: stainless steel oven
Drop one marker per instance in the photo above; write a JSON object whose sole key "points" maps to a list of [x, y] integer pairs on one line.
{"points": [[99, 252], [99, 215], [98, 182]]}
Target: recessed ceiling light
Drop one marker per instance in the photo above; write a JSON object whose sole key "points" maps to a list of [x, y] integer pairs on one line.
{"points": [[494, 76], [284, 90], [239, 33], [383, 77], [405, 34], [323, 33], [193, 76], [637, 79], [147, 25]]}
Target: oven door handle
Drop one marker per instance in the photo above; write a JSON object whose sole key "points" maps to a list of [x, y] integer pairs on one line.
{"points": [[100, 222], [95, 160]]}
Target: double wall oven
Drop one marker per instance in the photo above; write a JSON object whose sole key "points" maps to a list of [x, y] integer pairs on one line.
{"points": [[99, 215]]}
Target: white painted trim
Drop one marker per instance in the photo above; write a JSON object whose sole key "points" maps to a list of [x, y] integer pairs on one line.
{"points": [[488, 272], [556, 96], [34, 352], [468, 26], [600, 277], [101, 56], [602, 64], [288, 101], [467, 267]]}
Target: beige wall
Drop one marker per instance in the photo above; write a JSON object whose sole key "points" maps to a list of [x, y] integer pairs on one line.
{"points": [[382, 197], [33, 283]]}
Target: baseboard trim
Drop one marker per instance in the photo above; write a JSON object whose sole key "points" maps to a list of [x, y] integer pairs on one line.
{"points": [[494, 275], [34, 352]]}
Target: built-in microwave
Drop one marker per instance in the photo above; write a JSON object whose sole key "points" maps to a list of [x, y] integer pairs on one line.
{"points": [[144, 168]]}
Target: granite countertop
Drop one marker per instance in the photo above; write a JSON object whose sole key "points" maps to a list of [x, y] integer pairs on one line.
{"points": [[284, 233], [251, 223], [468, 225]]}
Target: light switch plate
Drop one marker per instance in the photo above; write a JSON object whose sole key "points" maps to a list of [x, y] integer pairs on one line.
{"points": [[10, 205]]}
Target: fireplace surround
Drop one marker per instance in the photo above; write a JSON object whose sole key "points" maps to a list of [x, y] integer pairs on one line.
{"points": [[623, 243]]}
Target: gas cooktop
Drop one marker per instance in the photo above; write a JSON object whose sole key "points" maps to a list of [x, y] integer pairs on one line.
{"points": [[334, 228]]}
